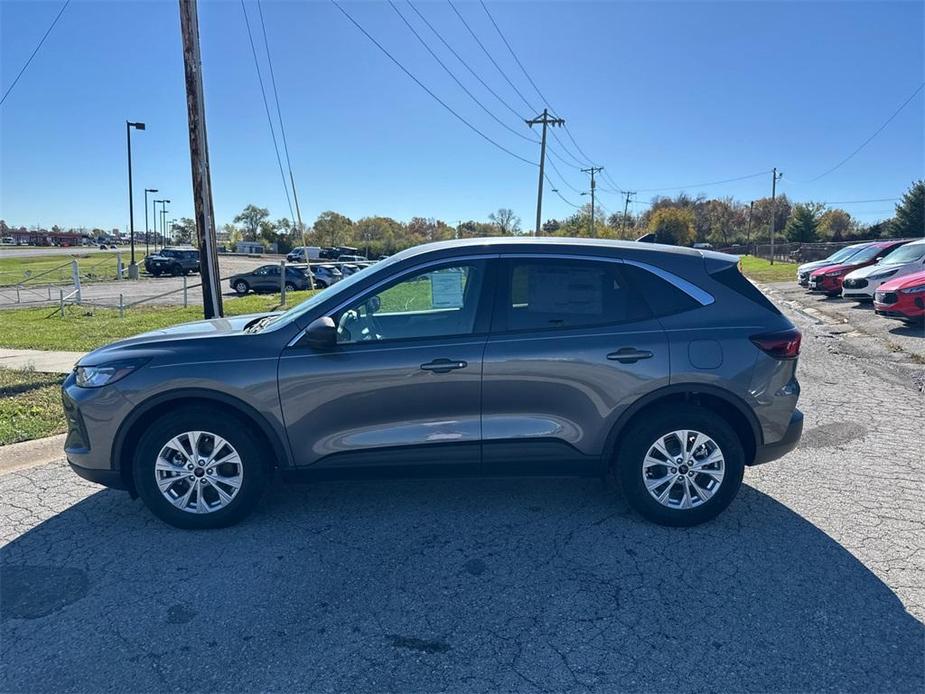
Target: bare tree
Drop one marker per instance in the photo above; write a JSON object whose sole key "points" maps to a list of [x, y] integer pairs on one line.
{"points": [[507, 222]]}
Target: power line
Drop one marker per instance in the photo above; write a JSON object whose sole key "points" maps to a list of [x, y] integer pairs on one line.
{"points": [[266, 106], [857, 202], [493, 61], [556, 191], [876, 132], [456, 79], [702, 185], [426, 89], [536, 89], [465, 64], [34, 52]]}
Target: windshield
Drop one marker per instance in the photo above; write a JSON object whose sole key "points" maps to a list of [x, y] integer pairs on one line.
{"points": [[844, 254], [343, 286], [905, 254], [865, 254]]}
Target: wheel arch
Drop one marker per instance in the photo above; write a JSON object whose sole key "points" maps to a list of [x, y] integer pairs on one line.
{"points": [[135, 423], [727, 405]]}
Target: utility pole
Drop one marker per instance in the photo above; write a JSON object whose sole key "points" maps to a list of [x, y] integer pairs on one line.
{"points": [[545, 120], [593, 170], [774, 178], [147, 232], [626, 207], [199, 160], [748, 227]]}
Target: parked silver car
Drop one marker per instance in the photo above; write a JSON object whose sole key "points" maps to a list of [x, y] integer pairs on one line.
{"points": [[489, 356]]}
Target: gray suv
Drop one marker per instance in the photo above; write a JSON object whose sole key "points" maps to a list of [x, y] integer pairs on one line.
{"points": [[662, 365]]}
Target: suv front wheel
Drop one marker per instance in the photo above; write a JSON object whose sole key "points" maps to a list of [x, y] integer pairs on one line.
{"points": [[681, 467], [199, 469]]}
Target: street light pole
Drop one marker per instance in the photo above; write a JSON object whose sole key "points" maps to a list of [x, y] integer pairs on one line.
{"points": [[163, 224], [147, 231], [132, 268]]}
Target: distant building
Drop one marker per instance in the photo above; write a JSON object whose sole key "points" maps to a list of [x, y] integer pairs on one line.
{"points": [[251, 247]]}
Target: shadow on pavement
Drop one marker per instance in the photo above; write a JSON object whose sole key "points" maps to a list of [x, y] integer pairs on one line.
{"points": [[464, 585], [909, 330]]}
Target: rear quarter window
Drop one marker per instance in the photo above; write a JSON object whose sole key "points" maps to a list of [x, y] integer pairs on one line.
{"points": [[662, 297], [734, 280]]}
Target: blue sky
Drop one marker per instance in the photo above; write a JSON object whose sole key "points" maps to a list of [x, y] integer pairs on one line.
{"points": [[662, 94]]}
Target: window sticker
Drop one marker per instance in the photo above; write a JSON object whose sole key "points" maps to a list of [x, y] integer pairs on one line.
{"points": [[446, 288], [553, 290]]}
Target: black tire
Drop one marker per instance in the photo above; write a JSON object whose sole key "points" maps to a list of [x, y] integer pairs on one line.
{"points": [[290, 286], [241, 287], [175, 270], [635, 447], [156, 273], [321, 284], [236, 431]]}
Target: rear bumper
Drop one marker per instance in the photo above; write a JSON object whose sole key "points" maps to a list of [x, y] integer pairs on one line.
{"points": [[772, 451]]}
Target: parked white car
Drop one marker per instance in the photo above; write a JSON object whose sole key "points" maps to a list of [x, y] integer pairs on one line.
{"points": [[862, 283]]}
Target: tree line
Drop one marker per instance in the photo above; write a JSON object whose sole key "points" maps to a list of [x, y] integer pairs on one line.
{"points": [[679, 220]]}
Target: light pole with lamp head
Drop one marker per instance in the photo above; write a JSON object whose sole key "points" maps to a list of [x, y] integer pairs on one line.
{"points": [[132, 268], [164, 222], [147, 231]]}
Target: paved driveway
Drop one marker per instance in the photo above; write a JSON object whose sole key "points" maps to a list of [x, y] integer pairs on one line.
{"points": [[814, 579]]}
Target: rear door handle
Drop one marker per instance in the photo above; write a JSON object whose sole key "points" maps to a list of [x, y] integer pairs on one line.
{"points": [[442, 366], [629, 355]]}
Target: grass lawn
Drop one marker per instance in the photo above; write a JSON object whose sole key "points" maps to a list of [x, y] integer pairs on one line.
{"points": [[30, 405], [84, 329], [761, 270], [57, 268]]}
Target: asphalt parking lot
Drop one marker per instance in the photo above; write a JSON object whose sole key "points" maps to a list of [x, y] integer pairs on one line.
{"points": [[145, 288], [814, 578]]}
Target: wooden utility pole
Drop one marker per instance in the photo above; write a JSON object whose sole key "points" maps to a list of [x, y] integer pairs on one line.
{"points": [[593, 170], [199, 161], [774, 178], [748, 227], [626, 207], [545, 120]]}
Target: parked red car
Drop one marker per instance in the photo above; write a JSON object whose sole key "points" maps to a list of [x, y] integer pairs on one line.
{"points": [[828, 279], [902, 298]]}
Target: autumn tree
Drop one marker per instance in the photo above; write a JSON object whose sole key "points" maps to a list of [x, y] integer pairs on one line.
{"points": [[332, 229], [834, 225], [250, 217], [673, 225]]}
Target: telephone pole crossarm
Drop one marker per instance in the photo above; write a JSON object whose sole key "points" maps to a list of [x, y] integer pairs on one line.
{"points": [[545, 120]]}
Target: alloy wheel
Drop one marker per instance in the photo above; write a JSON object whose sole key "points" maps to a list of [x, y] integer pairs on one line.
{"points": [[198, 472], [683, 469]]}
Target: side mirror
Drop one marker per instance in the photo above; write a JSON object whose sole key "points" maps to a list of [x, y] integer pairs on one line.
{"points": [[321, 333]]}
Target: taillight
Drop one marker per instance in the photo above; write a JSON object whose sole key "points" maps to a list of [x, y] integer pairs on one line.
{"points": [[783, 344]]}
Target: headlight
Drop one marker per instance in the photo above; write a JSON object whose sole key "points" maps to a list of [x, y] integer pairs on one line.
{"points": [[103, 375], [882, 275], [914, 290], [836, 273]]}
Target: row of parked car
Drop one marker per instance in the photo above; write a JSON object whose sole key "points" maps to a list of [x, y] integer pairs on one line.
{"points": [[889, 273], [266, 278]]}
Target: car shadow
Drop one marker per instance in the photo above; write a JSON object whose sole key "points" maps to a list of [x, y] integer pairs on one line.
{"points": [[909, 330], [460, 585]]}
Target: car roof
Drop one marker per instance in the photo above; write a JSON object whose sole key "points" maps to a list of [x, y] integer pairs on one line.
{"points": [[558, 243]]}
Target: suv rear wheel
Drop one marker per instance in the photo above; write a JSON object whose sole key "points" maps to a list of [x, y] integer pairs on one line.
{"points": [[198, 468], [241, 287], [681, 467]]}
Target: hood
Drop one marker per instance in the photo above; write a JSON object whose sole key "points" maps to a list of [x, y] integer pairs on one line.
{"points": [[892, 285], [806, 267], [869, 270], [156, 342], [839, 267]]}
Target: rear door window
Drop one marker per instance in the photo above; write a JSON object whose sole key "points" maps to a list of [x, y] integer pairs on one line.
{"points": [[559, 294]]}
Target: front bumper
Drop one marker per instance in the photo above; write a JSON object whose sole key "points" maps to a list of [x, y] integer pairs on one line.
{"points": [[772, 451], [827, 285], [907, 307]]}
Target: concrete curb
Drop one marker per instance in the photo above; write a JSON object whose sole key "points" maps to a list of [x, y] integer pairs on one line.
{"points": [[18, 456]]}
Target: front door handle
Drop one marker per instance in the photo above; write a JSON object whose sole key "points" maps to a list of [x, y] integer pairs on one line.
{"points": [[443, 366], [629, 355]]}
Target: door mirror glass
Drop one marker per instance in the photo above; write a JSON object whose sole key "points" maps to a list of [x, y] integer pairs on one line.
{"points": [[321, 333]]}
